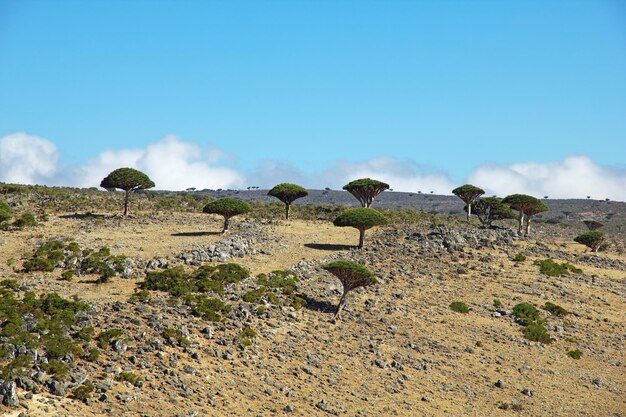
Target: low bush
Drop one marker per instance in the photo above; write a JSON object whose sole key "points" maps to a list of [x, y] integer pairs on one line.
{"points": [[537, 333], [526, 313], [459, 307], [553, 269], [575, 354], [555, 310], [519, 257]]}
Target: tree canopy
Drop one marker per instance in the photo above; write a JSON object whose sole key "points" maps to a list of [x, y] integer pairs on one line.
{"points": [[468, 193], [288, 193], [352, 275], [361, 219], [593, 239], [365, 190], [526, 205], [490, 209], [127, 179], [227, 207]]}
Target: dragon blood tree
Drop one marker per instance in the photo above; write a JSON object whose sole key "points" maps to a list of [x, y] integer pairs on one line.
{"points": [[365, 190], [352, 275], [468, 193], [288, 193], [127, 179], [227, 207]]}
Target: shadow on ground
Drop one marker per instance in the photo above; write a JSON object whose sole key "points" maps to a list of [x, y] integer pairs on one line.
{"points": [[82, 216], [317, 305], [328, 246], [192, 234]]}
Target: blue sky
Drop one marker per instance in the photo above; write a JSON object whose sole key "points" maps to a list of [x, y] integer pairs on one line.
{"points": [[308, 88]]}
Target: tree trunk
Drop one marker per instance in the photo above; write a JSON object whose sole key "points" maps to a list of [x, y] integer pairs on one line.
{"points": [[527, 233], [287, 211], [521, 223], [469, 212], [126, 202], [226, 219], [342, 303], [361, 238]]}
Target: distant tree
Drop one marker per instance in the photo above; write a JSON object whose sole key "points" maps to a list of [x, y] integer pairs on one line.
{"points": [[127, 179], [352, 275], [365, 190], [593, 239], [538, 207], [468, 193], [288, 193], [490, 209], [521, 203], [227, 207], [5, 211], [361, 219], [592, 224]]}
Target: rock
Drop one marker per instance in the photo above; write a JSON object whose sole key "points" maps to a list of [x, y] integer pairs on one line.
{"points": [[500, 384], [322, 405], [426, 398], [528, 392], [57, 388], [290, 408], [8, 392]]}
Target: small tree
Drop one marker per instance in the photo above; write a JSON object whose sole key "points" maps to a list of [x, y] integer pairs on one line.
{"points": [[227, 207], [127, 179], [365, 190], [538, 207], [521, 203], [288, 193], [593, 239], [361, 219], [352, 275], [468, 193], [490, 209], [592, 224]]}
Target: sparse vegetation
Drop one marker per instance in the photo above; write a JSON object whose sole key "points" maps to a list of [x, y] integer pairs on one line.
{"points": [[555, 310], [536, 332], [519, 257], [526, 313]]}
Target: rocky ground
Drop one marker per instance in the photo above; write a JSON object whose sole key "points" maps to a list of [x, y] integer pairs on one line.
{"points": [[398, 349]]}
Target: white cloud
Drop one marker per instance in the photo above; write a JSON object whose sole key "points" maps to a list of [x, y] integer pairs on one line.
{"points": [[27, 159], [171, 163], [400, 175], [574, 177]]}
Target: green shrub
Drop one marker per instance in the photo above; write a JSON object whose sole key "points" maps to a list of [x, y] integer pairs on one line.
{"points": [[128, 377], [556, 310], [459, 307], [108, 337], [210, 308], [526, 313], [254, 296], [5, 211], [519, 257], [175, 335], [497, 303], [575, 354], [25, 220], [38, 264], [86, 333], [9, 283], [57, 368], [245, 337], [84, 391], [141, 295], [94, 355], [16, 367], [537, 333], [554, 269]]}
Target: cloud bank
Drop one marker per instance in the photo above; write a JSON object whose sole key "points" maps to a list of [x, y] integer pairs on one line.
{"points": [[574, 177], [174, 164]]}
